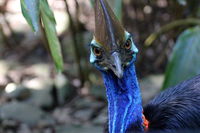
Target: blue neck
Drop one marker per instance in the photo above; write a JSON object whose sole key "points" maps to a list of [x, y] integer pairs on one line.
{"points": [[124, 101]]}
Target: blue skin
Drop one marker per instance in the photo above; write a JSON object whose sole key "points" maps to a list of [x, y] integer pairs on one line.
{"points": [[124, 101], [124, 97]]}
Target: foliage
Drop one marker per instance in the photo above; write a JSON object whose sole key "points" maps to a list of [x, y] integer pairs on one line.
{"points": [[184, 62], [38, 10], [30, 10], [170, 26], [116, 5], [182, 2], [181, 65]]}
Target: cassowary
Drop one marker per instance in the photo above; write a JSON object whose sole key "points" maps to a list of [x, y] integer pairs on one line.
{"points": [[113, 53]]}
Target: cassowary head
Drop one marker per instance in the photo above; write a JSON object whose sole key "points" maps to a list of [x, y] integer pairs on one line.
{"points": [[112, 47]]}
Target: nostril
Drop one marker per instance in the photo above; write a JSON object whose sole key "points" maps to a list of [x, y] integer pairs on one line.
{"points": [[114, 66]]}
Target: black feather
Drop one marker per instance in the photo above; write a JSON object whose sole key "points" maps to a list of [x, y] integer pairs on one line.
{"points": [[175, 108]]}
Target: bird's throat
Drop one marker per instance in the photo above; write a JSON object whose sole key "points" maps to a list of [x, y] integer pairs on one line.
{"points": [[124, 101]]}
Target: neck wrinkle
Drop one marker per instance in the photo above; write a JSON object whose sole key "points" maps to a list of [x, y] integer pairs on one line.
{"points": [[124, 101]]}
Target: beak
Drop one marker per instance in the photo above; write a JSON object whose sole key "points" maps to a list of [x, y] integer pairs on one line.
{"points": [[117, 65]]}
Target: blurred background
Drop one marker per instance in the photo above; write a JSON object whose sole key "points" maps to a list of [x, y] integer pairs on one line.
{"points": [[35, 97]]}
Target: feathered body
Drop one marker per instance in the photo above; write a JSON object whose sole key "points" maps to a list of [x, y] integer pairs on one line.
{"points": [[177, 108], [113, 52]]}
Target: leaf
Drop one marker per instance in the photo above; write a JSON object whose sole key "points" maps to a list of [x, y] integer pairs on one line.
{"points": [[185, 59], [30, 10], [118, 9], [50, 31], [182, 2], [116, 5], [44, 7]]}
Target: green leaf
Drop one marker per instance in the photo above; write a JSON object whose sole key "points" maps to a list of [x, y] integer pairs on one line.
{"points": [[185, 59], [30, 10], [116, 5], [44, 7], [118, 9], [182, 2], [50, 31]]}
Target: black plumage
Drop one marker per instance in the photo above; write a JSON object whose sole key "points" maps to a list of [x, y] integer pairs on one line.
{"points": [[175, 108]]}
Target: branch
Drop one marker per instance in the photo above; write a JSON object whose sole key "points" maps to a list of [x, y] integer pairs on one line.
{"points": [[170, 26], [73, 30]]}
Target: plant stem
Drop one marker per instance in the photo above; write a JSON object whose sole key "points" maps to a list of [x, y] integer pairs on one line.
{"points": [[5, 38], [76, 52], [170, 26]]}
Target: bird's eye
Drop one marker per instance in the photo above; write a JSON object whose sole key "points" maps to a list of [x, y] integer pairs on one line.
{"points": [[97, 51], [128, 44]]}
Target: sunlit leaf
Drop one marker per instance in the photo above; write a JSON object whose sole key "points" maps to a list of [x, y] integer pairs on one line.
{"points": [[30, 10], [185, 59], [44, 7], [50, 31]]}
